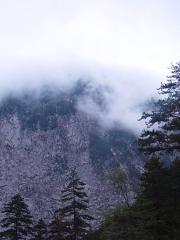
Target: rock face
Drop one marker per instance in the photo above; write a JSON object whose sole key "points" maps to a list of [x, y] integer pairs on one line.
{"points": [[43, 138]]}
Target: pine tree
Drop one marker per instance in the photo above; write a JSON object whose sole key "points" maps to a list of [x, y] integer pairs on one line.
{"points": [[151, 199], [172, 199], [40, 231], [156, 212], [73, 215], [57, 229], [17, 223], [166, 114]]}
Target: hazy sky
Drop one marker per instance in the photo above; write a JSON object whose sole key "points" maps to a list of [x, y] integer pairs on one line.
{"points": [[126, 44]]}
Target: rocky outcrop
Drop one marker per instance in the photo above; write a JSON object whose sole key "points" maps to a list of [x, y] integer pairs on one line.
{"points": [[36, 158]]}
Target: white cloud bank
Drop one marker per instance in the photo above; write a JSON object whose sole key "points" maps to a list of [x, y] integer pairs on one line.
{"points": [[127, 45]]}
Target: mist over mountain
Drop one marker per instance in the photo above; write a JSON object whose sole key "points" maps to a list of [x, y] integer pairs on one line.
{"points": [[44, 134], [124, 91]]}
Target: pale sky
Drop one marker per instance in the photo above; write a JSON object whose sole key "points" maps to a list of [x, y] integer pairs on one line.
{"points": [[126, 44]]}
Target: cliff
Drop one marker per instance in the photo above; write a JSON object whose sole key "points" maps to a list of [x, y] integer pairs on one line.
{"points": [[44, 135]]}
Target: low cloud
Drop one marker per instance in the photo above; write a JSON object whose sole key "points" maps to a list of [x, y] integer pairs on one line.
{"points": [[124, 47], [123, 90]]}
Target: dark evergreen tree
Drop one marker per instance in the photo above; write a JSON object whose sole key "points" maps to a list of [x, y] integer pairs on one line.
{"points": [[74, 214], [57, 229], [155, 215], [40, 231], [167, 115], [17, 222], [151, 199], [171, 201], [94, 234], [120, 224]]}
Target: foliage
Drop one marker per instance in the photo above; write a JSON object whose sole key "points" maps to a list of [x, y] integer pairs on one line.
{"points": [[120, 222], [166, 138], [57, 229], [151, 197], [156, 212], [40, 231], [94, 234], [17, 223], [172, 199], [124, 184], [73, 216], [154, 215]]}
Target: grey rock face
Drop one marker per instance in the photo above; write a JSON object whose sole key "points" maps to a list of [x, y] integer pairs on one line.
{"points": [[35, 161]]}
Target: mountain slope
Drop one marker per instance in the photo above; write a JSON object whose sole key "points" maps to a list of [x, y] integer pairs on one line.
{"points": [[44, 135]]}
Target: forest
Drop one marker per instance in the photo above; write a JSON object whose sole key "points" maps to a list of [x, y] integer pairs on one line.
{"points": [[152, 213]]}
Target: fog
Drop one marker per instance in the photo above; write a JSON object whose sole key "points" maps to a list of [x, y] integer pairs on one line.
{"points": [[126, 46]]}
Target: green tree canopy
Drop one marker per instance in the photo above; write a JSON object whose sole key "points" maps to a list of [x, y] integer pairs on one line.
{"points": [[17, 222], [156, 212], [120, 222], [165, 138], [57, 229], [40, 231], [74, 215], [150, 199]]}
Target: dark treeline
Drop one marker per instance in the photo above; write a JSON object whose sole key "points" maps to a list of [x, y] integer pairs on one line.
{"points": [[71, 221], [153, 214]]}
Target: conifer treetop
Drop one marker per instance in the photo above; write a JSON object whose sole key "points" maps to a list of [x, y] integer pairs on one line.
{"points": [[166, 114]]}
